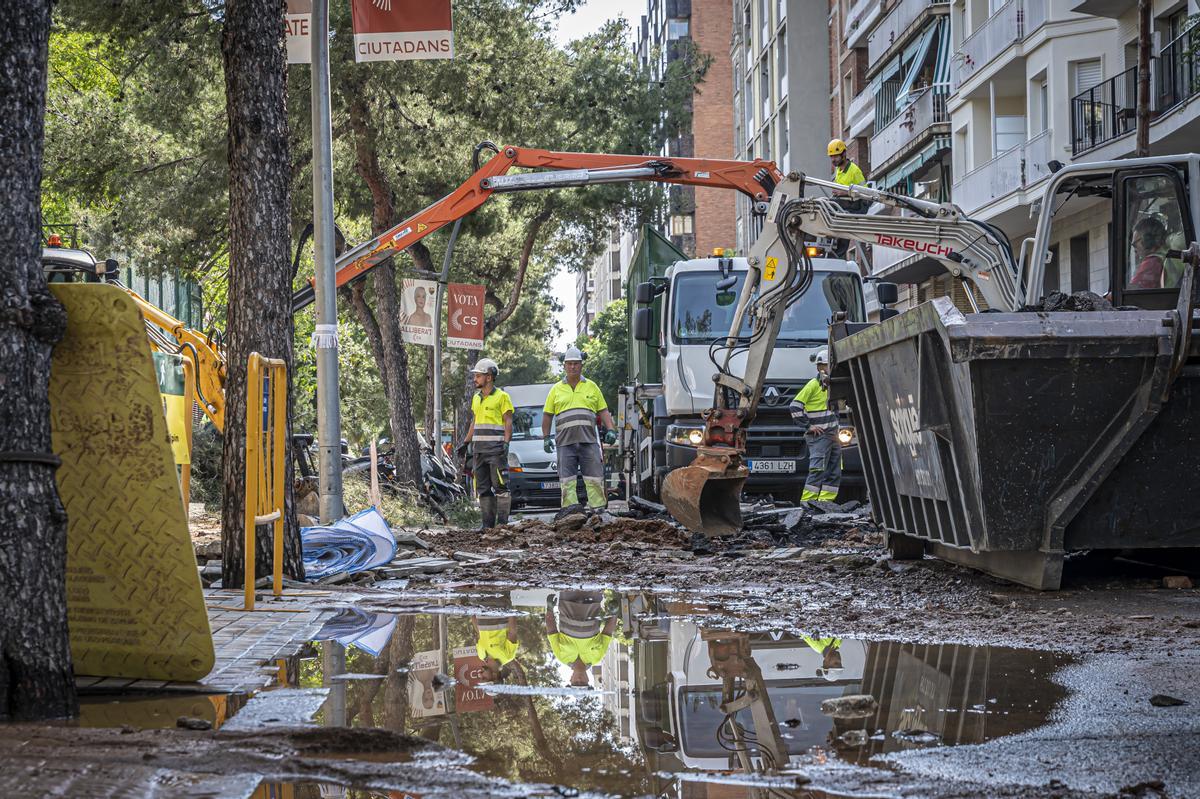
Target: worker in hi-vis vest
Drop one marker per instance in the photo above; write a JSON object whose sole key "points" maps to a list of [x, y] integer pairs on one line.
{"points": [[489, 434], [574, 405], [810, 409]]}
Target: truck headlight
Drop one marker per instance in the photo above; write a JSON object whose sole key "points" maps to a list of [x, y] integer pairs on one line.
{"points": [[514, 462], [685, 436], [845, 436]]}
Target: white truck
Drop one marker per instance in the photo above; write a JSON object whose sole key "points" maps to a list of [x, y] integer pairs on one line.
{"points": [[680, 324]]}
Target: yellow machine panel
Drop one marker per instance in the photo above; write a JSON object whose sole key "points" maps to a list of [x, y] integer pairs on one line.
{"points": [[134, 601]]}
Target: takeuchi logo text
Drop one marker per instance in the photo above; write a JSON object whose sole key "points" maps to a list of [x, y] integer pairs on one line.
{"points": [[913, 245]]}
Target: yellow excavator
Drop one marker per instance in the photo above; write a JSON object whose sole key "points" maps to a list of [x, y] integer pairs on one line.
{"points": [[166, 333]]}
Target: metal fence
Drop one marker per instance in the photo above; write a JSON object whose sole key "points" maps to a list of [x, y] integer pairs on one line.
{"points": [[1104, 112]]}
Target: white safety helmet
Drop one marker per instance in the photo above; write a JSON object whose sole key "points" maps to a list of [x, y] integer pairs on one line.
{"points": [[573, 354], [831, 675], [822, 357], [486, 366]]}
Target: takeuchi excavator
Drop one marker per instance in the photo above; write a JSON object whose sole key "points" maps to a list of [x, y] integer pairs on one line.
{"points": [[704, 495]]}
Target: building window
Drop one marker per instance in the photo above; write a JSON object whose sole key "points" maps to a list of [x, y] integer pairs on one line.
{"points": [[764, 22], [764, 86], [1010, 132], [766, 137], [1086, 75], [781, 62], [1043, 106], [784, 144], [748, 102], [681, 224], [677, 29], [781, 11]]}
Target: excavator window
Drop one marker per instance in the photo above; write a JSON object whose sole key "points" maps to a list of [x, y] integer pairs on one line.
{"points": [[1151, 220]]}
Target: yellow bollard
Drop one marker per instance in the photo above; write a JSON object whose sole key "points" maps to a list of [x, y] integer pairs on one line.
{"points": [[266, 427]]}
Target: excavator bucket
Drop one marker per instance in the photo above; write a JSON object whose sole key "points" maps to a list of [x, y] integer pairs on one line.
{"points": [[705, 497]]}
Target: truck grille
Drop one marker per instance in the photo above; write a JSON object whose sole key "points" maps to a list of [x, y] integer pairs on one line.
{"points": [[775, 442]]}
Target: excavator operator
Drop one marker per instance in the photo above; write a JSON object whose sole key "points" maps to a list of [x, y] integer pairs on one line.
{"points": [[490, 432], [846, 173]]}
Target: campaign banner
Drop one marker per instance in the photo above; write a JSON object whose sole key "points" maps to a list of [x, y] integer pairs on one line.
{"points": [[464, 321], [169, 369], [468, 674], [416, 311], [297, 26], [402, 30], [424, 699]]}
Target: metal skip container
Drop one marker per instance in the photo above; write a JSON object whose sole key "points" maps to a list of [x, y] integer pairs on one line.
{"points": [[1002, 441]]}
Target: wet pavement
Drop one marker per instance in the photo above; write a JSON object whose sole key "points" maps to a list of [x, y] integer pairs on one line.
{"points": [[626, 692]]}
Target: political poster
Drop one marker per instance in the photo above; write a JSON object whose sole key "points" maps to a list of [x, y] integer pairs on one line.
{"points": [[402, 30], [297, 27], [423, 698], [468, 674], [464, 321], [169, 369], [416, 311]]}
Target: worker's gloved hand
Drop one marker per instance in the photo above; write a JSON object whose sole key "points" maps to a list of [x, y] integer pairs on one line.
{"points": [[506, 450], [547, 445], [610, 436]]}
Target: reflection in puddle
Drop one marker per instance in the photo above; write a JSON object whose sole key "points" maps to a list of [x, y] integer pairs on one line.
{"points": [[631, 693]]}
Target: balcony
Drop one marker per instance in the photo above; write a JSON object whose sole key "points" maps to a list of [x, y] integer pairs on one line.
{"points": [[1011, 23], [859, 20], [912, 125], [1014, 169], [1104, 112], [860, 115], [1176, 76], [895, 27]]}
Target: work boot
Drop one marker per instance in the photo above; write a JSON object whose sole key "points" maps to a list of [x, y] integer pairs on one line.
{"points": [[503, 507], [487, 507]]}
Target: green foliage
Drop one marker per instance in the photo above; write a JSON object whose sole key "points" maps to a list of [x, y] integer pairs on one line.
{"points": [[207, 482], [608, 350]]}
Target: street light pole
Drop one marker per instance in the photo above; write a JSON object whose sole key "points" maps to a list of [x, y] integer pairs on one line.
{"points": [[329, 428]]}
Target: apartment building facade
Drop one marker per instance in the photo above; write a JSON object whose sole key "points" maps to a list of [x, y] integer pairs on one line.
{"points": [[697, 220], [1044, 81], [780, 91]]}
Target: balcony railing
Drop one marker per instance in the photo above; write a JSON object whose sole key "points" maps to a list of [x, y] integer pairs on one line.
{"points": [[1011, 23], [927, 109], [895, 24], [990, 181], [860, 18], [1016, 168], [1178, 77], [1104, 112], [860, 113]]}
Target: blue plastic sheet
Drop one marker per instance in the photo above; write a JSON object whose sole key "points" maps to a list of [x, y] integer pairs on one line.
{"points": [[357, 543]]}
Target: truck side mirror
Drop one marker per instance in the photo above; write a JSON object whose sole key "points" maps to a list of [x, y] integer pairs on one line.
{"points": [[645, 293], [886, 293], [643, 323]]}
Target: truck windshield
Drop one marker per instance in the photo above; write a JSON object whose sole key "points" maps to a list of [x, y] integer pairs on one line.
{"points": [[527, 423], [698, 319]]}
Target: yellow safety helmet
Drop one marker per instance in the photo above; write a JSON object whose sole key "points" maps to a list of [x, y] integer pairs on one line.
{"points": [[836, 147]]}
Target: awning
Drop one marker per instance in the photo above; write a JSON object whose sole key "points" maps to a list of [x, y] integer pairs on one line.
{"points": [[915, 163], [941, 72], [914, 66]]}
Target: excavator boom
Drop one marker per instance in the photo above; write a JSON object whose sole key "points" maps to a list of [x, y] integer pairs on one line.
{"points": [[756, 179]]}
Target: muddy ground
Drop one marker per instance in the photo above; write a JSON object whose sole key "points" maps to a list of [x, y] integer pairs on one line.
{"points": [[843, 583]]}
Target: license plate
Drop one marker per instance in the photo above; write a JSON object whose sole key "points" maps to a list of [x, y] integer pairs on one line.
{"points": [[546, 486], [772, 467]]}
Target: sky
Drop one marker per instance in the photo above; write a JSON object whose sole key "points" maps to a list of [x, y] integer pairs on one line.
{"points": [[590, 16]]}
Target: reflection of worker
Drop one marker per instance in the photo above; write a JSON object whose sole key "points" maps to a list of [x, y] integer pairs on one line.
{"points": [[489, 434], [495, 644], [845, 173], [810, 409], [419, 317], [1149, 247], [573, 405], [830, 650], [580, 635]]}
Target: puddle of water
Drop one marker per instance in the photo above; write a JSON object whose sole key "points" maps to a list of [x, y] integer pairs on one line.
{"points": [[629, 693]]}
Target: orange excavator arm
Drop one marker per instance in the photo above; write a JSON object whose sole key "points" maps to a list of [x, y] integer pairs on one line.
{"points": [[756, 179]]}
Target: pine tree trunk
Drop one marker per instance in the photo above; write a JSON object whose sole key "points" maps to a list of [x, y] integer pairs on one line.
{"points": [[36, 679], [260, 291]]}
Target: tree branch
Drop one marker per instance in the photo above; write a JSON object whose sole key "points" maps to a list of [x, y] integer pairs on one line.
{"points": [[514, 297]]}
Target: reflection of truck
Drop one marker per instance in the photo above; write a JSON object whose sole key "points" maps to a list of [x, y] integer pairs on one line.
{"points": [[678, 715], [680, 318]]}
